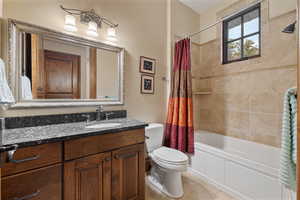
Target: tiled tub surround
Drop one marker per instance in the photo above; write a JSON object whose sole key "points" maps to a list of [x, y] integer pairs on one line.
{"points": [[246, 99]]}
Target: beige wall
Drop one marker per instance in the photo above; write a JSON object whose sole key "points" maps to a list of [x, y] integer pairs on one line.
{"points": [[184, 20], [246, 100], [278, 8], [142, 31]]}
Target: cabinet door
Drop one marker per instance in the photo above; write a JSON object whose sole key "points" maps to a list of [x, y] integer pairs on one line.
{"points": [[128, 173], [88, 178]]}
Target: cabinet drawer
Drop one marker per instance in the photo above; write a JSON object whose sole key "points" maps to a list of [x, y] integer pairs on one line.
{"points": [[41, 184], [31, 158], [97, 144]]}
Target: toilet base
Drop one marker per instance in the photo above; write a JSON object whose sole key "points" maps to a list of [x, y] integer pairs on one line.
{"points": [[166, 181]]}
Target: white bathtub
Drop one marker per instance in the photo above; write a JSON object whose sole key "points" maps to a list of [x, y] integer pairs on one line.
{"points": [[244, 169]]}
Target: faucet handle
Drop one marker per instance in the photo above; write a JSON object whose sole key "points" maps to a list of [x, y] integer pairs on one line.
{"points": [[99, 108], [88, 118]]}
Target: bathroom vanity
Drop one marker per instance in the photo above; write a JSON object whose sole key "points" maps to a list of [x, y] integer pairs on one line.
{"points": [[73, 162]]}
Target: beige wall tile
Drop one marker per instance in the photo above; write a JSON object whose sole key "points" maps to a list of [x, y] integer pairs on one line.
{"points": [[265, 126], [266, 103]]}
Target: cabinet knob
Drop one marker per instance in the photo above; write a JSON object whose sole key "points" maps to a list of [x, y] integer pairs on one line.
{"points": [[107, 159]]}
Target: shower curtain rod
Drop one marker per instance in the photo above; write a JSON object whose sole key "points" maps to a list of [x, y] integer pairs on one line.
{"points": [[220, 21]]}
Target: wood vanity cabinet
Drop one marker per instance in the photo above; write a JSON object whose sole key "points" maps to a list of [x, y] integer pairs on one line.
{"points": [[88, 178], [128, 173], [104, 167]]}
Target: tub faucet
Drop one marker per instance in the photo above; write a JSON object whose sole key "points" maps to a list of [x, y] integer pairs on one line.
{"points": [[99, 110]]}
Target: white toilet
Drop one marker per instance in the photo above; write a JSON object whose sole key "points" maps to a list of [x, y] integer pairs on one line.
{"points": [[167, 163]]}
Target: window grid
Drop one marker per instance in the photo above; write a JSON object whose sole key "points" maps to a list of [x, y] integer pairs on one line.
{"points": [[226, 41]]}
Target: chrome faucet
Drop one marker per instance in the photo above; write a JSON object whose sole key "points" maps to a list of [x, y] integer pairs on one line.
{"points": [[99, 110]]}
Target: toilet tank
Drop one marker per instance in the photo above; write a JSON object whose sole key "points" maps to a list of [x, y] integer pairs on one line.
{"points": [[154, 133]]}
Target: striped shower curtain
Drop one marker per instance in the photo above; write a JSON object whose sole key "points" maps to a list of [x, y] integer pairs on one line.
{"points": [[179, 129]]}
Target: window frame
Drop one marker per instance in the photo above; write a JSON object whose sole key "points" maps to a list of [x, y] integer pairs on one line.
{"points": [[225, 35]]}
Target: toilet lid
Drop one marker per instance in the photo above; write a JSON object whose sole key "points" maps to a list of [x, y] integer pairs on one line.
{"points": [[169, 155]]}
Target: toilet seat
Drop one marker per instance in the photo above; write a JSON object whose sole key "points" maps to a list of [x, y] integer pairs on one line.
{"points": [[170, 158], [169, 155]]}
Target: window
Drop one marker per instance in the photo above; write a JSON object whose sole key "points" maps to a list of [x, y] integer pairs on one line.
{"points": [[241, 36]]}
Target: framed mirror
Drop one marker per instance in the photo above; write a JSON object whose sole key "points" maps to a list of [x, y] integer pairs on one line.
{"points": [[49, 68]]}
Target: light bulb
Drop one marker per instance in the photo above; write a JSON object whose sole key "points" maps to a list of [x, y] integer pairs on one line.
{"points": [[92, 29], [70, 23], [111, 34]]}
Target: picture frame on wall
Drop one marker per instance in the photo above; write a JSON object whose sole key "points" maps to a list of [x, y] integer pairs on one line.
{"points": [[147, 84], [147, 65]]}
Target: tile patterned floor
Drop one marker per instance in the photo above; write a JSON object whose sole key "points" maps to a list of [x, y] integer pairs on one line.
{"points": [[194, 189]]}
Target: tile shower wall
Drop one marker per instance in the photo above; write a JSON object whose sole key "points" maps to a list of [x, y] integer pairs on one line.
{"points": [[247, 97]]}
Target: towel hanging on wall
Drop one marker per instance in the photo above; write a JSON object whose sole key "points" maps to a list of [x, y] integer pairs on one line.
{"points": [[5, 92], [287, 172]]}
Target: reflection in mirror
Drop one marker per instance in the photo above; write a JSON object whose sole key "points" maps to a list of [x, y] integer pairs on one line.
{"points": [[107, 71], [56, 69], [53, 70]]}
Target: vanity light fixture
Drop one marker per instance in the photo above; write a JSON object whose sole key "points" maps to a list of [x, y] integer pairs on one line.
{"points": [[70, 23], [91, 18]]}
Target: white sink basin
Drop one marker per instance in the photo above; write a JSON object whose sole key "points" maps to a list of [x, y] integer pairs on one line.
{"points": [[104, 125]]}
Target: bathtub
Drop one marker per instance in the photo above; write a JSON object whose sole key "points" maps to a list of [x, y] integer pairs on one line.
{"points": [[244, 169]]}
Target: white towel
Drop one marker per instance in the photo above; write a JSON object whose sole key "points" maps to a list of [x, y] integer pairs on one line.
{"points": [[5, 92], [26, 88]]}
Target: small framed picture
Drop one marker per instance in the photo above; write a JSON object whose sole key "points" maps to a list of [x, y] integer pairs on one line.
{"points": [[147, 65], [147, 84]]}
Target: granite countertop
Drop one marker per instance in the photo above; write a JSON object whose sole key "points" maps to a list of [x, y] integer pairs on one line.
{"points": [[31, 136]]}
